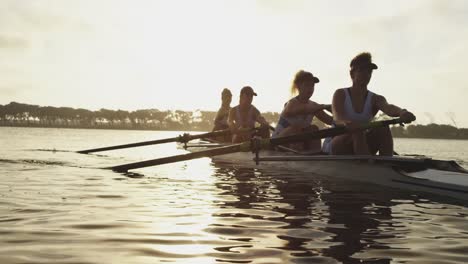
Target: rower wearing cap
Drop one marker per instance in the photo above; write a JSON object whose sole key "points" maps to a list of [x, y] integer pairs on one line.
{"points": [[245, 115], [356, 105], [298, 112]]}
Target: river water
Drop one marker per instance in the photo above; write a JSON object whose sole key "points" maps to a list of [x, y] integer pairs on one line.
{"points": [[57, 206]]}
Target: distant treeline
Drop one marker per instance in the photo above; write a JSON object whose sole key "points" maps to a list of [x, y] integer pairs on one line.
{"points": [[26, 115], [17, 114]]}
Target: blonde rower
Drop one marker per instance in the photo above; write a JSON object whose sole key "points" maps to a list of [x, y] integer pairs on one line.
{"points": [[298, 112]]}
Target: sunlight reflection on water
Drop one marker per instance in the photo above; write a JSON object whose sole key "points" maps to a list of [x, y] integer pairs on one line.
{"points": [[57, 207]]}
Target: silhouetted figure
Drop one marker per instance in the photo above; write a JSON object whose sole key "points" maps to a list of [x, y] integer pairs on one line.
{"points": [[298, 112], [356, 105], [244, 116], [221, 119]]}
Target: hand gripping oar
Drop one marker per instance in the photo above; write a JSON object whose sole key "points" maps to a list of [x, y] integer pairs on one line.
{"points": [[247, 146], [184, 138]]}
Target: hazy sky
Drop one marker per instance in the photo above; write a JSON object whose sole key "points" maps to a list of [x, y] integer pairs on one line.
{"points": [[135, 54]]}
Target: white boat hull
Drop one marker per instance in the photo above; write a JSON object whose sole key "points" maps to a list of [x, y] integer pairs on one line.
{"points": [[416, 174]]}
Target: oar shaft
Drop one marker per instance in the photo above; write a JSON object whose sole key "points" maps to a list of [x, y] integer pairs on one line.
{"points": [[131, 145], [330, 132], [177, 158], [183, 138]]}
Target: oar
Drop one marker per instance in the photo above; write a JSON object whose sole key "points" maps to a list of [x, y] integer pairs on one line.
{"points": [[331, 132], [189, 156], [246, 146], [181, 138]]}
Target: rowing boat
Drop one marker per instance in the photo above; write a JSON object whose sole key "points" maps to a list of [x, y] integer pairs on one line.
{"points": [[414, 173]]}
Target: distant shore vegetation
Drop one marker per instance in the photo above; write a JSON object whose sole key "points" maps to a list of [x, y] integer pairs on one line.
{"points": [[26, 115]]}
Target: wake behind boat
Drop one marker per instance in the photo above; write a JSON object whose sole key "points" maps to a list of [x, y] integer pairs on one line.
{"points": [[413, 173]]}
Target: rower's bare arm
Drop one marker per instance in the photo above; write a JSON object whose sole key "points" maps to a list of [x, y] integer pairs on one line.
{"points": [[231, 121], [324, 117], [384, 106], [218, 117], [338, 107], [294, 108], [260, 119], [393, 110]]}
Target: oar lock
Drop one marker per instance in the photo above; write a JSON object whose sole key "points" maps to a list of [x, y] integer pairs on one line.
{"points": [[255, 146], [184, 138]]}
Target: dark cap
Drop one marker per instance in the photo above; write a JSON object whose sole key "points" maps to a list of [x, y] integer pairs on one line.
{"points": [[248, 90], [363, 61], [316, 80]]}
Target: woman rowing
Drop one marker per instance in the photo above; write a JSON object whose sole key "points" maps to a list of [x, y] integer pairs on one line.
{"points": [[221, 119], [244, 116], [356, 105], [298, 112]]}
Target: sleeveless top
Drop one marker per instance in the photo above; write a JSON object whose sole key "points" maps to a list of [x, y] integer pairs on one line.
{"points": [[365, 116], [251, 117], [285, 122]]}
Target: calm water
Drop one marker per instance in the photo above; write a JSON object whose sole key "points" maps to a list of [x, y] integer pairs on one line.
{"points": [[57, 206]]}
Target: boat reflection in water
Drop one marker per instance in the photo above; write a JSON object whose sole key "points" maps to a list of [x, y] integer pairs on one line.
{"points": [[291, 217]]}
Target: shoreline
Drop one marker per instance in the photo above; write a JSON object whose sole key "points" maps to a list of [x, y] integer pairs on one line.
{"points": [[106, 127]]}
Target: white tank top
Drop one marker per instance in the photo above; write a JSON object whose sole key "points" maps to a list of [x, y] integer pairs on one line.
{"points": [[366, 115]]}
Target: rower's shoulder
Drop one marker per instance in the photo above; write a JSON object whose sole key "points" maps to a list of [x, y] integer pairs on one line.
{"points": [[232, 109], [310, 102], [339, 93], [341, 90], [224, 109], [255, 109], [377, 97]]}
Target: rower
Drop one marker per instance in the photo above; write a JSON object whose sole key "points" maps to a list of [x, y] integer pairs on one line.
{"points": [[356, 105], [298, 113], [244, 116], [221, 119]]}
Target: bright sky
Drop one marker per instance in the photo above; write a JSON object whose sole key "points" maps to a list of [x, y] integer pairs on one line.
{"points": [[174, 54]]}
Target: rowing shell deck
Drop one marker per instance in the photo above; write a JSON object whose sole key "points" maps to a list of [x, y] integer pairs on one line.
{"points": [[421, 174]]}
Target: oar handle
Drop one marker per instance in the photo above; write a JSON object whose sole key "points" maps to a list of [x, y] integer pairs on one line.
{"points": [[334, 131]]}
